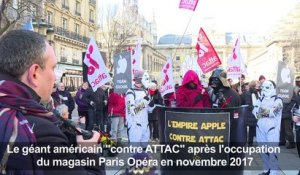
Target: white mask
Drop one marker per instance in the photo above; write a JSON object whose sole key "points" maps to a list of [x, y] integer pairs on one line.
{"points": [[267, 89], [145, 80]]}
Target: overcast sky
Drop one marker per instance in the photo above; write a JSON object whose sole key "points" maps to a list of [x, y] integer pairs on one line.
{"points": [[230, 15]]}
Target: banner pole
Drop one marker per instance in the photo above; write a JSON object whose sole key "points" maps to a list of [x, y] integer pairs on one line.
{"points": [[183, 34]]}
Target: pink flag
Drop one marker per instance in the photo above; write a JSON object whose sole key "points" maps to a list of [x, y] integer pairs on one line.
{"points": [[208, 58], [136, 56], [167, 85], [236, 66], [97, 72], [188, 4]]}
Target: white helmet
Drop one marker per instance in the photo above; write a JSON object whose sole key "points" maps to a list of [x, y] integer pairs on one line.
{"points": [[142, 77], [268, 89]]}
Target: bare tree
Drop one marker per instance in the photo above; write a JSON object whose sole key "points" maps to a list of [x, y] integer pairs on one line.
{"points": [[13, 12], [117, 28]]}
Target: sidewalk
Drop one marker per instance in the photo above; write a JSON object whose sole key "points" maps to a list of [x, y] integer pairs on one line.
{"points": [[289, 162]]}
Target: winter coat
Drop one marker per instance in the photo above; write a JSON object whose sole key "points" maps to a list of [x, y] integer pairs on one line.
{"points": [[246, 99], [287, 108], [116, 105], [82, 104], [156, 100], [67, 99], [197, 97], [97, 97], [168, 98]]}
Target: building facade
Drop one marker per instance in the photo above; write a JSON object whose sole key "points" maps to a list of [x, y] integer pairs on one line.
{"points": [[282, 44], [73, 22]]}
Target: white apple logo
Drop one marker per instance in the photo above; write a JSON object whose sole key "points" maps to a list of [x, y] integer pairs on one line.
{"points": [[122, 65], [285, 75]]}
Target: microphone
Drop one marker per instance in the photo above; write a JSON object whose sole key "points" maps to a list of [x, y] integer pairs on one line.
{"points": [[77, 131]]}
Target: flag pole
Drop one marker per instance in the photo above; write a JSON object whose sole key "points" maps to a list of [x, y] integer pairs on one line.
{"points": [[183, 35]]}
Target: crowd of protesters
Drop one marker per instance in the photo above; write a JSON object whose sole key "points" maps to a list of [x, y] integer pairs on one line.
{"points": [[28, 92]]}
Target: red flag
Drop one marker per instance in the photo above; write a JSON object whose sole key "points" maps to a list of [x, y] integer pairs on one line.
{"points": [[208, 58], [188, 4]]}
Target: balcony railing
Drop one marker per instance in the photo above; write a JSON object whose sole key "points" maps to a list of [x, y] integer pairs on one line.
{"points": [[75, 61], [77, 13], [52, 1], [92, 2], [65, 6], [63, 59], [71, 35]]}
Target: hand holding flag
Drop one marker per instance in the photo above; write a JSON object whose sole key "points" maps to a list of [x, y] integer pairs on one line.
{"points": [[208, 58], [236, 66], [167, 85]]}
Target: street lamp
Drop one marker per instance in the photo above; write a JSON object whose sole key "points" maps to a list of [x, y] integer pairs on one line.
{"points": [[44, 29], [50, 35]]}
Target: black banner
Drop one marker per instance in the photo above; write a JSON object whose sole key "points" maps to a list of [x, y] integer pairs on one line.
{"points": [[285, 81], [198, 130], [122, 73], [204, 138]]}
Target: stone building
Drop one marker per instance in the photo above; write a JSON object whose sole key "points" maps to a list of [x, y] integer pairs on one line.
{"points": [[73, 23]]}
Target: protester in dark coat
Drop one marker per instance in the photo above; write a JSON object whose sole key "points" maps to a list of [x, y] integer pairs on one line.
{"points": [[246, 99], [156, 99], [191, 93], [82, 105], [221, 95], [66, 98], [55, 96], [286, 130], [96, 102], [240, 86]]}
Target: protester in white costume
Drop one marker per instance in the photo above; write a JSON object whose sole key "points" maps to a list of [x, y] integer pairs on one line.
{"points": [[137, 107], [268, 110]]}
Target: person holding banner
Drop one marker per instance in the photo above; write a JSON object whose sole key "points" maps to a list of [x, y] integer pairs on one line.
{"points": [[156, 99], [137, 105], [96, 102], [221, 95], [268, 110], [191, 93]]}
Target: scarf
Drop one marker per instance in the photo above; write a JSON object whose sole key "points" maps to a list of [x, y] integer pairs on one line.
{"points": [[16, 102], [152, 92]]}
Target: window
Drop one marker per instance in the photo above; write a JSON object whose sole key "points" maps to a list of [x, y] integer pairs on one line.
{"points": [[63, 57], [92, 16], [77, 28], [65, 4], [77, 10], [64, 23], [49, 17], [177, 58], [177, 68]]}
